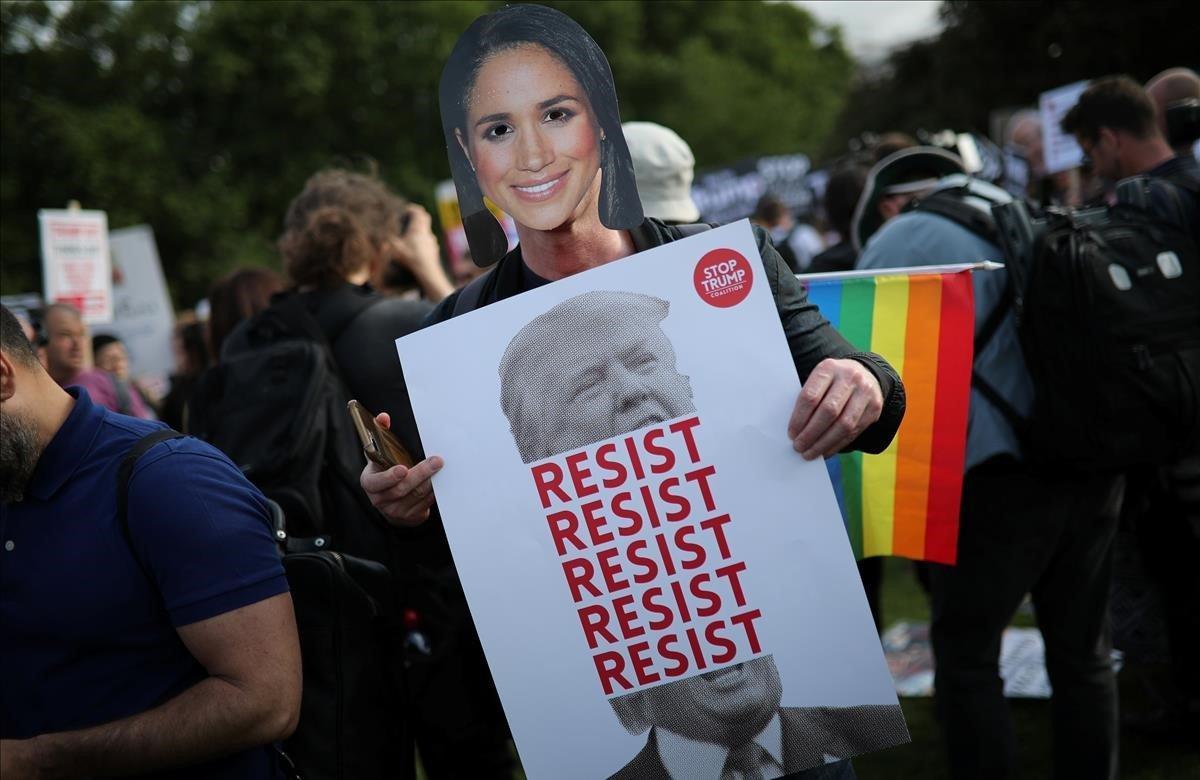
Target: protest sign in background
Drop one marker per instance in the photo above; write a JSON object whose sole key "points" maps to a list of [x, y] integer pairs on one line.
{"points": [[725, 195], [905, 500], [75, 263], [556, 563], [1060, 150], [143, 317]]}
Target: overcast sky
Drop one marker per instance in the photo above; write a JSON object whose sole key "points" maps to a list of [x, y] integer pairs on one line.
{"points": [[871, 28]]}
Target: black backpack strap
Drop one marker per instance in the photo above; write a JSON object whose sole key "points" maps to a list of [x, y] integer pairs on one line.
{"points": [[470, 296], [125, 473], [996, 316], [1019, 425], [949, 203]]}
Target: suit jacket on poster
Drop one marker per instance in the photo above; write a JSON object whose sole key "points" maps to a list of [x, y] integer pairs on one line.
{"points": [[809, 734]]}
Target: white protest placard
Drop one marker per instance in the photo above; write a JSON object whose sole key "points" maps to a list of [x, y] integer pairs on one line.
{"points": [[639, 543], [143, 316], [1060, 150], [75, 263]]}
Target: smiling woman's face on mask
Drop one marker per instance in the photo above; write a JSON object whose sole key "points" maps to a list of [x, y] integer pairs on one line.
{"points": [[532, 138]]}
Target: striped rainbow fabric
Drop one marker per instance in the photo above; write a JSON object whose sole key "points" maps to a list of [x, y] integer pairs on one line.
{"points": [[905, 500]]}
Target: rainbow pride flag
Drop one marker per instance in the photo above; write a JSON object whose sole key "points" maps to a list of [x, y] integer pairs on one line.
{"points": [[905, 500]]}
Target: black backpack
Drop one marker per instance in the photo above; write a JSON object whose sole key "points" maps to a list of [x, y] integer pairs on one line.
{"points": [[1107, 303], [276, 405], [351, 719]]}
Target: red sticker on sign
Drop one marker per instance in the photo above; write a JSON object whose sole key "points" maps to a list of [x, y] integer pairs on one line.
{"points": [[723, 278]]}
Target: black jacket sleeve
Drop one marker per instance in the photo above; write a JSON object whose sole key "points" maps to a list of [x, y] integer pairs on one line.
{"points": [[811, 339]]}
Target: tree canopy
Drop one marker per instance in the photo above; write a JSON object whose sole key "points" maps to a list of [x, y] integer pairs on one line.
{"points": [[203, 119], [995, 55]]}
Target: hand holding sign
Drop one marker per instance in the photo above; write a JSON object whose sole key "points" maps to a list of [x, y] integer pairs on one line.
{"points": [[840, 400]]}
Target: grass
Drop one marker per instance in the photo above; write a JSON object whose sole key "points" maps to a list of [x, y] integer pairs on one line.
{"points": [[924, 758]]}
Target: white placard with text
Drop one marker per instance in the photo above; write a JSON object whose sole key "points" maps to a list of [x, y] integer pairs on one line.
{"points": [[624, 505]]}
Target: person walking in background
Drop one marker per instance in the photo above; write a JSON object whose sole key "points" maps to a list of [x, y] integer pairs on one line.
{"points": [[1120, 127], [1024, 527]]}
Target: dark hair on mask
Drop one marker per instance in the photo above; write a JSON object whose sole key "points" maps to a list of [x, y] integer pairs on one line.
{"points": [[562, 37], [12, 338]]}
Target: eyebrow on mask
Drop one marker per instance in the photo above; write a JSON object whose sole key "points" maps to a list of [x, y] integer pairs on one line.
{"points": [[483, 120]]}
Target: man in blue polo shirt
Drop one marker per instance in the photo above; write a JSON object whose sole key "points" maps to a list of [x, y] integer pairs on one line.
{"points": [[173, 653]]}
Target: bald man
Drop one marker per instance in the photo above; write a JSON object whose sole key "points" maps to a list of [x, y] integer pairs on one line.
{"points": [[1175, 88], [1024, 135]]}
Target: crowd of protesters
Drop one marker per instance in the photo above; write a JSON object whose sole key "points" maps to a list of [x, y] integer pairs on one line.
{"points": [[197, 610]]}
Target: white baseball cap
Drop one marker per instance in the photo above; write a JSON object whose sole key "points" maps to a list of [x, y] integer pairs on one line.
{"points": [[663, 166]]}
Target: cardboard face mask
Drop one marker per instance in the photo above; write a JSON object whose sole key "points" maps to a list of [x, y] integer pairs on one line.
{"points": [[529, 113]]}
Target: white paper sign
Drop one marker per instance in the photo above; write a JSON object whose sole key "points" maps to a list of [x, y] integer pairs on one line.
{"points": [[1060, 150], [143, 316], [75, 261], [627, 514]]}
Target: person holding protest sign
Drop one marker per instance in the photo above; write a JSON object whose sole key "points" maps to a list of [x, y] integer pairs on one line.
{"points": [[530, 118]]}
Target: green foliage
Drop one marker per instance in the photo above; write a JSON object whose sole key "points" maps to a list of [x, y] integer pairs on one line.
{"points": [[204, 119], [996, 55]]}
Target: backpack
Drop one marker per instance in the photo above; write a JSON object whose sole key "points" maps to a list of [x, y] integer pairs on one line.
{"points": [[1107, 304], [350, 726], [276, 405]]}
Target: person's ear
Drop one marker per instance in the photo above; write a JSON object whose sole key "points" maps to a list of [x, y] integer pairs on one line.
{"points": [[1110, 135], [463, 143], [8, 378]]}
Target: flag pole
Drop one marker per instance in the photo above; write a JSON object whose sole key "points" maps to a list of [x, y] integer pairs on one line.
{"points": [[986, 265]]}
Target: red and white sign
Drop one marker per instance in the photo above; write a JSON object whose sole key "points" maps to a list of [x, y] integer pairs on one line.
{"points": [[625, 509], [656, 583], [723, 278], [76, 267]]}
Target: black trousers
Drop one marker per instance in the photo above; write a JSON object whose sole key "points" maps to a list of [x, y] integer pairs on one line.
{"points": [[1026, 531]]}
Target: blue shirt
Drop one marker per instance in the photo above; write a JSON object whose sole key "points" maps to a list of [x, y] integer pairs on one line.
{"points": [[85, 637], [920, 238]]}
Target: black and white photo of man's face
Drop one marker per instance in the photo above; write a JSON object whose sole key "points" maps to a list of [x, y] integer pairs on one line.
{"points": [[728, 706], [596, 366], [622, 384]]}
